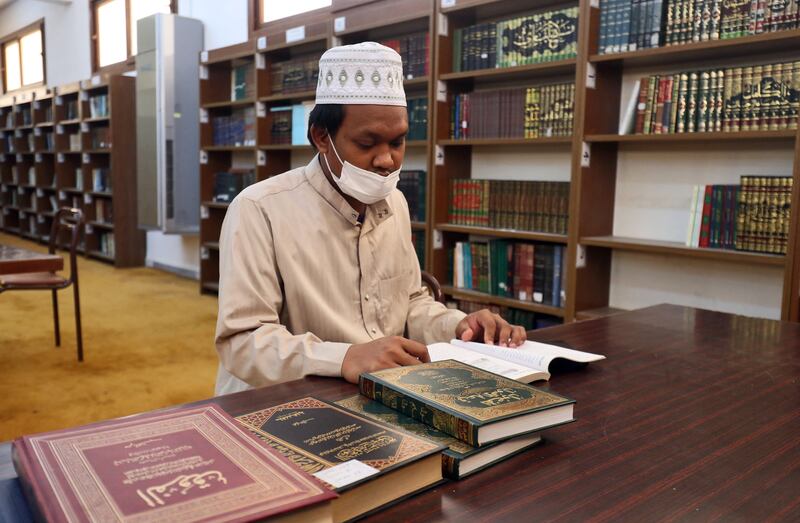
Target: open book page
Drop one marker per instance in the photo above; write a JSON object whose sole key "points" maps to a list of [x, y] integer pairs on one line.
{"points": [[514, 371], [530, 354]]}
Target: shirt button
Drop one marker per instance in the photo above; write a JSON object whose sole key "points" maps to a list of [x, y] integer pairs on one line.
{"points": [[374, 331], [366, 297]]}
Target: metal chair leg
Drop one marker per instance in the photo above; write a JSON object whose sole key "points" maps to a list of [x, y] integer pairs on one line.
{"points": [[78, 321], [55, 318]]}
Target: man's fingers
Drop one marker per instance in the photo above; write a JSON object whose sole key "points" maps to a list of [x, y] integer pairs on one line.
{"points": [[416, 350], [489, 325], [467, 335], [518, 336], [505, 333]]}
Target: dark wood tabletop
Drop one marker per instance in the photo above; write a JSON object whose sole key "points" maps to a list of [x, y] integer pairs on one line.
{"points": [[694, 416], [15, 260]]}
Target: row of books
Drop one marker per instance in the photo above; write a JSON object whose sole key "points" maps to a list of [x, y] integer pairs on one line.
{"points": [[417, 118], [227, 184], [290, 124], [238, 129], [305, 459], [519, 112], [105, 243], [413, 185], [243, 80], [540, 37], [291, 76], [104, 210], [100, 137], [531, 272], [753, 216], [753, 98], [528, 319], [414, 50], [510, 204], [71, 109], [98, 106], [628, 25]]}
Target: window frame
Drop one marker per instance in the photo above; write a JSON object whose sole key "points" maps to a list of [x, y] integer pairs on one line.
{"points": [[129, 64], [254, 16], [17, 36]]}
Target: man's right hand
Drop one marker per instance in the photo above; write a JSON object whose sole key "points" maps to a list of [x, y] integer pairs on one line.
{"points": [[392, 351]]}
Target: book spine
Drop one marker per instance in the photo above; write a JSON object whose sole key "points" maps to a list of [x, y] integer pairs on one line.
{"points": [[691, 110], [705, 225], [415, 408], [40, 509]]}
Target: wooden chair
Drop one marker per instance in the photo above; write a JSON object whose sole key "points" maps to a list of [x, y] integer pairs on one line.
{"points": [[65, 219], [432, 284]]}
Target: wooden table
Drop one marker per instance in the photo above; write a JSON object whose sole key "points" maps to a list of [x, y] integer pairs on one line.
{"points": [[17, 260], [694, 416]]}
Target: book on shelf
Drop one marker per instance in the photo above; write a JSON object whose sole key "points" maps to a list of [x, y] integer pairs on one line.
{"points": [[752, 216], [48, 141], [763, 97], [243, 84], [417, 108], [510, 204], [228, 184], [100, 137], [296, 75], [104, 210], [27, 116], [31, 175], [189, 464], [53, 203], [75, 142], [106, 244], [470, 404], [459, 459], [631, 25], [31, 142], [516, 112], [367, 462], [79, 178], [526, 39], [531, 361], [101, 179], [412, 184], [414, 51], [238, 129], [71, 109], [300, 114], [98, 106], [281, 127], [529, 272]]}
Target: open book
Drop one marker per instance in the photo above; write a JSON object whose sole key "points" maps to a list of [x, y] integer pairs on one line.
{"points": [[529, 362]]}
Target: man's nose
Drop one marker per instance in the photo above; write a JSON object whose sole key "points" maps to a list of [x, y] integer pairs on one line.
{"points": [[383, 162]]}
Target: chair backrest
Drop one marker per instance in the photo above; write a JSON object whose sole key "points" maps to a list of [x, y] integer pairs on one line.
{"points": [[71, 220], [430, 281]]}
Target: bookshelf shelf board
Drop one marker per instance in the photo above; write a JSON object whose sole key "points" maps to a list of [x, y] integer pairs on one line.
{"points": [[214, 148], [215, 205], [679, 249], [7, 129], [505, 73], [417, 143], [280, 97], [495, 8], [97, 119], [284, 147], [29, 235], [600, 312], [420, 81], [211, 286], [27, 186], [211, 245], [102, 225], [28, 210], [43, 151], [787, 134], [73, 121], [323, 40], [105, 194], [46, 188], [712, 49], [48, 214], [12, 229], [509, 141], [418, 226], [502, 233], [230, 103], [227, 57], [68, 151], [482, 297], [101, 256], [98, 151], [26, 152], [73, 190], [45, 124], [389, 22], [25, 127]]}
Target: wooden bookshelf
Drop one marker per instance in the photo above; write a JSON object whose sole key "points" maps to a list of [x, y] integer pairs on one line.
{"points": [[694, 137], [57, 153], [482, 297], [557, 67], [502, 233]]}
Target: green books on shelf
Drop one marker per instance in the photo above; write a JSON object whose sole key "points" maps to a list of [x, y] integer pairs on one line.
{"points": [[470, 404], [368, 463], [458, 459]]}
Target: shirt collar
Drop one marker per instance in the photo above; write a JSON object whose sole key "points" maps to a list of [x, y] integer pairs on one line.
{"points": [[375, 214]]}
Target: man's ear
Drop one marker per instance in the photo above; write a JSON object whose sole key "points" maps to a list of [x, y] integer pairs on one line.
{"points": [[320, 137]]}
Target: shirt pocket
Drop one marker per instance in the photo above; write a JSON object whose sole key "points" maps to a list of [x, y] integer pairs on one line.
{"points": [[394, 304]]}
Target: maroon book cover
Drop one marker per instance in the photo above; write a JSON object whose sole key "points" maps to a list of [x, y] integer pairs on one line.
{"points": [[194, 464]]}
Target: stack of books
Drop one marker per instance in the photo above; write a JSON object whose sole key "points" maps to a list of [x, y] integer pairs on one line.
{"points": [[98, 106], [417, 118], [299, 74], [281, 128], [754, 98], [509, 204], [106, 243], [518, 112], [414, 50], [228, 184], [531, 272], [238, 129], [540, 37], [413, 186], [243, 84]]}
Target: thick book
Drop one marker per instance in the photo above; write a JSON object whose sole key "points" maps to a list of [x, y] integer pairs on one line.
{"points": [[330, 442], [468, 403], [458, 459], [193, 464]]}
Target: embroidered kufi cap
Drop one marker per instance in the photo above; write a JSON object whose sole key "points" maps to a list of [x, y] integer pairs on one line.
{"points": [[366, 74]]}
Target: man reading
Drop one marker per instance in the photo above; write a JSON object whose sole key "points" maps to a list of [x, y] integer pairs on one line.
{"points": [[318, 274]]}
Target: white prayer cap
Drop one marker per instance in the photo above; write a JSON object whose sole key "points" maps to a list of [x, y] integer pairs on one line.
{"points": [[366, 74]]}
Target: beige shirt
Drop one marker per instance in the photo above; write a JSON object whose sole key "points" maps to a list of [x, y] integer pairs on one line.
{"points": [[301, 280]]}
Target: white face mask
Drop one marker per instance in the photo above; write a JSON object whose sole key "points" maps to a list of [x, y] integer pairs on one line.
{"points": [[365, 186]]}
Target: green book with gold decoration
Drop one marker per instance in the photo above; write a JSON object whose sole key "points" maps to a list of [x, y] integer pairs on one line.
{"points": [[470, 404], [459, 459]]}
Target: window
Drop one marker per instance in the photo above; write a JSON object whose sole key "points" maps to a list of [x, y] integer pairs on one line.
{"points": [[22, 58], [271, 10], [115, 27]]}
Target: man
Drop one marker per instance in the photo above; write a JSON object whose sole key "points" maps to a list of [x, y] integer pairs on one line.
{"points": [[318, 274]]}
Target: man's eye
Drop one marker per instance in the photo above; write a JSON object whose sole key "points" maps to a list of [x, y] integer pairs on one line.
{"points": [[365, 145], [398, 143]]}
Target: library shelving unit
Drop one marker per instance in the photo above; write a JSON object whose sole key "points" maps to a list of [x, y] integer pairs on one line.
{"points": [[453, 157], [595, 176], [62, 155]]}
